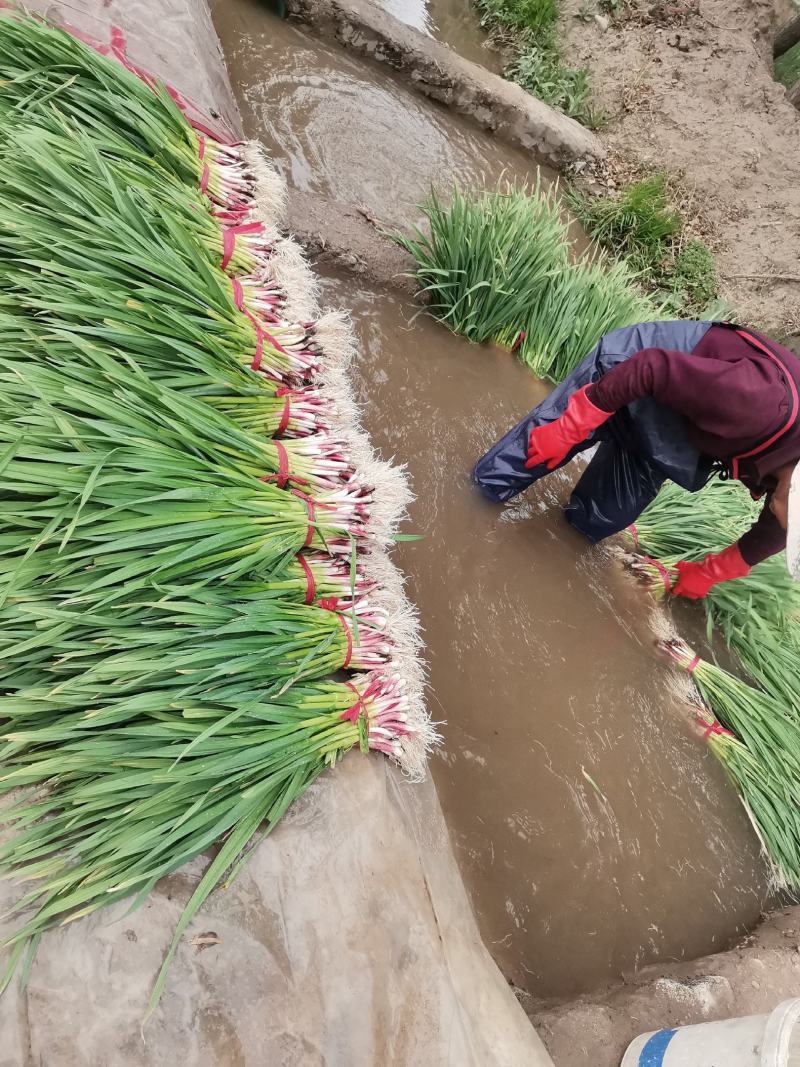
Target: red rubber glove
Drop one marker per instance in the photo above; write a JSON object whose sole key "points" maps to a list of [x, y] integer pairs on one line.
{"points": [[551, 443], [695, 579]]}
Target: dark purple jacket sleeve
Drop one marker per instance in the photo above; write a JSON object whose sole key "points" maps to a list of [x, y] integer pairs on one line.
{"points": [[764, 538], [727, 398]]}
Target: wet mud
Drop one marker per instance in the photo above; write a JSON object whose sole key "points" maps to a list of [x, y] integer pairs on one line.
{"points": [[594, 830], [453, 22], [348, 133]]}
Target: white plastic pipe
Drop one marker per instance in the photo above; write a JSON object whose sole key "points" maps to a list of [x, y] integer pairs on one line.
{"points": [[753, 1041]]}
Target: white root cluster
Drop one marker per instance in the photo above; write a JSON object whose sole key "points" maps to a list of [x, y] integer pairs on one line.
{"points": [[380, 487]]}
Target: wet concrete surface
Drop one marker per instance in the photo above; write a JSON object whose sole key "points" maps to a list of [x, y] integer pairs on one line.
{"points": [[594, 830], [348, 133], [453, 22]]}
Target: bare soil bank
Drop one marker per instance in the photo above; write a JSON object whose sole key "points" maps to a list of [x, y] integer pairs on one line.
{"points": [[687, 85], [751, 979]]}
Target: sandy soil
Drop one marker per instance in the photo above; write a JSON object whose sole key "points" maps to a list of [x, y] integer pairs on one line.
{"points": [[752, 979], [687, 84]]}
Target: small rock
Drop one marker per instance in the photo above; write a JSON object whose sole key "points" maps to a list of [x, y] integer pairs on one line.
{"points": [[602, 22], [676, 41], [755, 985]]}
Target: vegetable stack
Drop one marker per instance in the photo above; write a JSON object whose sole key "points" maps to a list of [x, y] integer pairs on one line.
{"points": [[752, 723], [500, 266], [197, 613]]}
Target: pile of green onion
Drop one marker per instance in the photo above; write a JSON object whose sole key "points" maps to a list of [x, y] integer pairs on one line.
{"points": [[197, 615], [759, 619], [500, 267]]}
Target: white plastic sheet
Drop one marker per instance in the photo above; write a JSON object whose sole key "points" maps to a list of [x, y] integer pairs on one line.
{"points": [[347, 940]]}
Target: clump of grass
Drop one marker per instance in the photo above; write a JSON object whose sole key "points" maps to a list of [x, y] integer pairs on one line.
{"points": [[497, 266], [692, 278], [638, 223], [540, 69], [521, 15], [642, 226], [527, 30]]}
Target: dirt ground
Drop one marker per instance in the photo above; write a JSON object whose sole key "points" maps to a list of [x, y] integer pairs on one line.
{"points": [[752, 979], [687, 85]]}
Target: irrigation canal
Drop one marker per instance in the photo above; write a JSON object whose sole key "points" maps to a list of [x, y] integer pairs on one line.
{"points": [[593, 829]]}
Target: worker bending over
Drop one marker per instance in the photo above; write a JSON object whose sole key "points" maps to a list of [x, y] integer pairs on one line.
{"points": [[677, 400]]}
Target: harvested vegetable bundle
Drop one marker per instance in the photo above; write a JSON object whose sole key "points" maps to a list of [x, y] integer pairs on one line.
{"points": [[688, 525], [765, 760], [139, 797], [759, 615], [192, 524], [497, 267], [583, 302], [484, 259]]}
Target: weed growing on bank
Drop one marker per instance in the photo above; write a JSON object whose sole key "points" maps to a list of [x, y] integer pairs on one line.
{"points": [[527, 30], [642, 225]]}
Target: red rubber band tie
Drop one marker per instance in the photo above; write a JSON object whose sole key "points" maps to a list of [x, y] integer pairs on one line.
{"points": [[662, 570], [272, 340], [311, 585], [238, 294], [201, 155], [634, 534], [716, 728], [283, 465], [259, 352], [312, 515], [284, 416], [229, 235], [693, 664], [353, 712], [261, 334], [349, 637]]}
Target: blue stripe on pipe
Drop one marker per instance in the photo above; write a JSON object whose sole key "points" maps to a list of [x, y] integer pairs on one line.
{"points": [[652, 1055]]}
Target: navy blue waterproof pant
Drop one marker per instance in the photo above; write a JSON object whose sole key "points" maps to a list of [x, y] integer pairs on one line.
{"points": [[639, 446]]}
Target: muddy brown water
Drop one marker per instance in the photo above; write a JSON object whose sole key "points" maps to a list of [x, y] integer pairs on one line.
{"points": [[345, 130], [453, 22], [594, 830]]}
